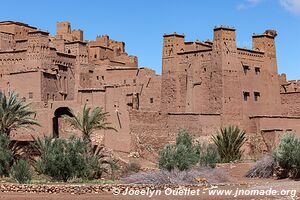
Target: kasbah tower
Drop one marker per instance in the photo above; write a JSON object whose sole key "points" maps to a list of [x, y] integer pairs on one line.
{"points": [[203, 86]]}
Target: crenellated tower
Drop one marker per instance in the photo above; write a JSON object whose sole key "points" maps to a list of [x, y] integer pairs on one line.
{"points": [[171, 94], [225, 60]]}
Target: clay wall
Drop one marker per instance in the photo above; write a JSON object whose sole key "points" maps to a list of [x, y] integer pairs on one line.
{"points": [[7, 41], [150, 131], [290, 103], [13, 61], [20, 30], [17, 82]]}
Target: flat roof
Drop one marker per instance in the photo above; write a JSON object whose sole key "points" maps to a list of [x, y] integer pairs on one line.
{"points": [[6, 33], [192, 113], [77, 41], [274, 116], [91, 89], [65, 54], [174, 34], [39, 31], [17, 23], [194, 51], [123, 68], [224, 28], [251, 50]]}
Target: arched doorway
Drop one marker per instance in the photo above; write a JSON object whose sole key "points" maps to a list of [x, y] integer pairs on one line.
{"points": [[59, 112]]}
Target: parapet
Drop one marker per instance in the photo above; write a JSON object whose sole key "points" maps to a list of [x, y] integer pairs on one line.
{"points": [[174, 34], [268, 33], [222, 27]]}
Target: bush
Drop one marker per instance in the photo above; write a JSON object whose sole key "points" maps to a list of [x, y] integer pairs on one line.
{"points": [[287, 155], [209, 155], [6, 155], [64, 159], [132, 167], [229, 141], [21, 172], [183, 155], [263, 168], [166, 158]]}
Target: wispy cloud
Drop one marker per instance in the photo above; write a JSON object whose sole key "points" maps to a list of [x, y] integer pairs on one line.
{"points": [[291, 5], [248, 4]]}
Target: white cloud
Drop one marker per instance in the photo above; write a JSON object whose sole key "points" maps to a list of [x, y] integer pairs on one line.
{"points": [[248, 4], [291, 5]]}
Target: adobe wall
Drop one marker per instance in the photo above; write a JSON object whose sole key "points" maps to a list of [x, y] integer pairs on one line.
{"points": [[26, 84], [7, 41], [150, 131], [290, 103], [269, 129]]}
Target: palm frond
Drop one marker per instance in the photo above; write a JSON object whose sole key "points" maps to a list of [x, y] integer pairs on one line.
{"points": [[15, 114], [89, 121]]}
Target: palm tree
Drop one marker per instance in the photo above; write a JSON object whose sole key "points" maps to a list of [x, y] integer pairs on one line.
{"points": [[88, 121], [229, 141], [14, 114]]}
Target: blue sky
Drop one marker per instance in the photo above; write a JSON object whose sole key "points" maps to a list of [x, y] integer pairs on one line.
{"points": [[142, 23]]}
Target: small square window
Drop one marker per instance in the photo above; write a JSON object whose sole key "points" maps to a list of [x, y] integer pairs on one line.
{"points": [[256, 96], [151, 100], [30, 95], [246, 69], [98, 78], [102, 77], [246, 96], [257, 70], [134, 81]]}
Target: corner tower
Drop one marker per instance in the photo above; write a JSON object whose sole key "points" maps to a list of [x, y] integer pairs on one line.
{"points": [[225, 60], [170, 96], [266, 42]]}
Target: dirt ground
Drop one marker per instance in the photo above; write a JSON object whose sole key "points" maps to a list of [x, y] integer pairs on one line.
{"points": [[237, 183]]}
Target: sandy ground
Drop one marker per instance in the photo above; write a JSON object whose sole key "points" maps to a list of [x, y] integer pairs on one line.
{"points": [[238, 182]]}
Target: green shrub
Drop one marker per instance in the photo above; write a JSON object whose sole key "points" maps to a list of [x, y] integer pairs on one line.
{"points": [[6, 155], [229, 141], [20, 171], [287, 155], [166, 158], [64, 159], [209, 155], [183, 155]]}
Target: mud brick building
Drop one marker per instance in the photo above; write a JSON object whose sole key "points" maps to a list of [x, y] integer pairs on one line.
{"points": [[203, 86]]}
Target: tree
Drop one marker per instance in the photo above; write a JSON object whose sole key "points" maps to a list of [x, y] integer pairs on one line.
{"points": [[88, 121], [229, 141], [14, 114]]}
